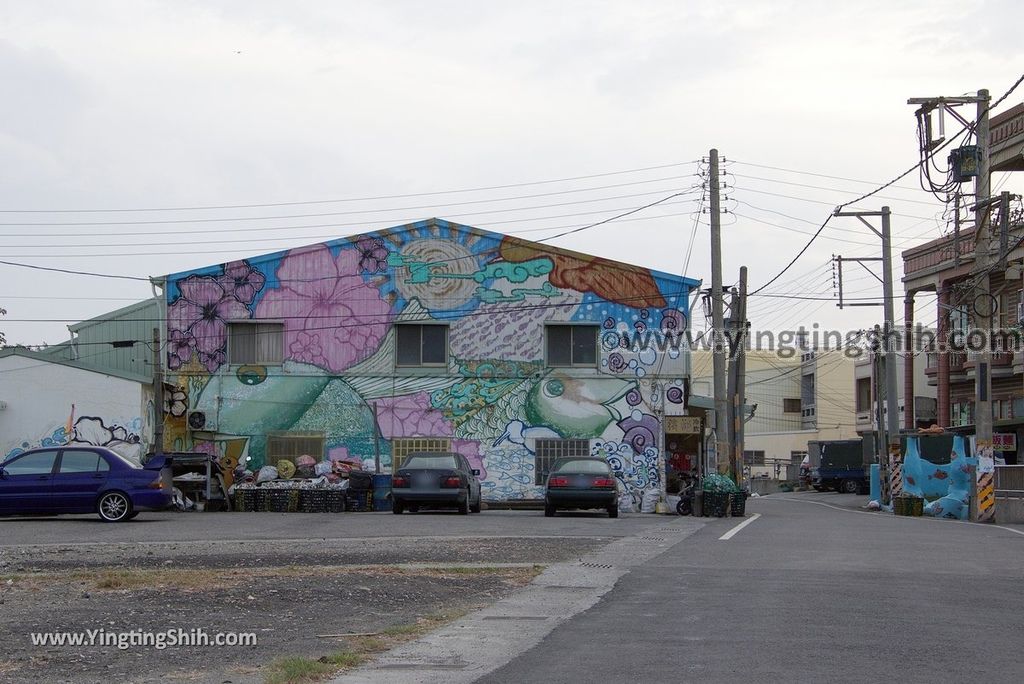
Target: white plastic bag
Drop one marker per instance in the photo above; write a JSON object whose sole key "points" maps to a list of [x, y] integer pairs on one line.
{"points": [[671, 501], [649, 501], [266, 474]]}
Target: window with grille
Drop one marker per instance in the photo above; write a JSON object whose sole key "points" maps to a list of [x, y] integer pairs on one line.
{"points": [[401, 448], [421, 345], [791, 406], [571, 345], [258, 344], [291, 445], [548, 450], [797, 457], [754, 457]]}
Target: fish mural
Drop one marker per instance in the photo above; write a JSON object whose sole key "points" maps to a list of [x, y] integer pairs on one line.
{"points": [[327, 318], [946, 487]]}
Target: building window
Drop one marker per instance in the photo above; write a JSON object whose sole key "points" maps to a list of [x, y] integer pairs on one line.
{"points": [[797, 457], [257, 344], [401, 448], [962, 413], [571, 345], [791, 406], [548, 450], [421, 345], [754, 457], [291, 445], [863, 394]]}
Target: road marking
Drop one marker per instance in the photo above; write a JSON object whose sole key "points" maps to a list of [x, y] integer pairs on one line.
{"points": [[729, 535]]}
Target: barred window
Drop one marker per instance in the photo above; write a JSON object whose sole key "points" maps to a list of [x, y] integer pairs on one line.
{"points": [[401, 448], [548, 450], [291, 445]]}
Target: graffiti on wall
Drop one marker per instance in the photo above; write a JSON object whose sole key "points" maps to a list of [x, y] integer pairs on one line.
{"points": [[337, 304], [122, 437]]}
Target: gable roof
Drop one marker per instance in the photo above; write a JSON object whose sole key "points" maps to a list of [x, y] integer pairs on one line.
{"points": [[43, 358], [427, 226]]}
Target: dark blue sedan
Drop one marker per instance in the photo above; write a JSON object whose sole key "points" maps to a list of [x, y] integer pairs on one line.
{"points": [[77, 479]]}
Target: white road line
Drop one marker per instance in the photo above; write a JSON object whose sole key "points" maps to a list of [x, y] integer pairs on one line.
{"points": [[729, 535]]}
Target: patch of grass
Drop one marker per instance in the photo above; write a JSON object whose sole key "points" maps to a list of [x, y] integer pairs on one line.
{"points": [[299, 670]]}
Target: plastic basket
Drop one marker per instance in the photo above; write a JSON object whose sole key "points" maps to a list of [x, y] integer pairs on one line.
{"points": [[335, 501], [716, 504], [246, 500], [358, 501], [283, 500], [738, 504], [313, 500]]}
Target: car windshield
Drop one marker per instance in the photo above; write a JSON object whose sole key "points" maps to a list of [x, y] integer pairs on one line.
{"points": [[582, 465], [431, 461]]}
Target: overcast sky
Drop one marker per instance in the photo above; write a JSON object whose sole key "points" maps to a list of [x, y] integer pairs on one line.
{"points": [[141, 105]]}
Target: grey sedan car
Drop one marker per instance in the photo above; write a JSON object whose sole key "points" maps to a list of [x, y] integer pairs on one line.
{"points": [[444, 479]]}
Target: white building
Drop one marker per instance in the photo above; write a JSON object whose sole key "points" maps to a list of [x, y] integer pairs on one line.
{"points": [[47, 402]]}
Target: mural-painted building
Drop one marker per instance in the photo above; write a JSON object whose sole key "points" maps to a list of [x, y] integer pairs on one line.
{"points": [[429, 336]]}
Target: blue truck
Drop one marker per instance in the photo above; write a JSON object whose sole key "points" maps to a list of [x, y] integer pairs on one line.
{"points": [[839, 465]]}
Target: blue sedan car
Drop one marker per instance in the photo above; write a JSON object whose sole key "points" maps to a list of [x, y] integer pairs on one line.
{"points": [[77, 479]]}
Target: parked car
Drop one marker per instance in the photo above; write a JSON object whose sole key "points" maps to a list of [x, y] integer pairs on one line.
{"points": [[56, 480], [581, 482], [444, 479]]}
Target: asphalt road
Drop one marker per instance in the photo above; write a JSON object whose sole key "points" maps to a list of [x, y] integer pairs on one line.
{"points": [[804, 593], [201, 527]]}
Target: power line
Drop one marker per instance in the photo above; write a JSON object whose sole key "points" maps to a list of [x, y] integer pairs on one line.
{"points": [[348, 199], [232, 219], [64, 270]]}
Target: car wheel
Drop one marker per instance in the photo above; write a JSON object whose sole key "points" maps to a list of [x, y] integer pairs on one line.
{"points": [[613, 511], [850, 487], [397, 507], [475, 508], [464, 505], [549, 511], [114, 507]]}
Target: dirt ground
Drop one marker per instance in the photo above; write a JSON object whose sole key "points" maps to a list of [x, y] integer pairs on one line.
{"points": [[287, 593]]}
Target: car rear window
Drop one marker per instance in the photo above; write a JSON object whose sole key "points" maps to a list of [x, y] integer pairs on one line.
{"points": [[582, 465], [431, 461]]}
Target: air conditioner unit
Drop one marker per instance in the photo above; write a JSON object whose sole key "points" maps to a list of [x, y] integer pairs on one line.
{"points": [[201, 421]]}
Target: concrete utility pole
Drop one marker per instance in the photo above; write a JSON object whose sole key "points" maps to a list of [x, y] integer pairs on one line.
{"points": [[982, 296], [158, 395], [738, 361], [889, 347], [722, 441]]}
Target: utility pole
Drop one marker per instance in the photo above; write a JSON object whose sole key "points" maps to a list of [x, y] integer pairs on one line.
{"points": [[982, 295], [983, 303], [738, 364], [888, 347], [158, 395], [722, 441]]}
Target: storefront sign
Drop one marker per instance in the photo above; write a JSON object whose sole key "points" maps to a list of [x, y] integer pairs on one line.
{"points": [[682, 425], [1004, 442]]}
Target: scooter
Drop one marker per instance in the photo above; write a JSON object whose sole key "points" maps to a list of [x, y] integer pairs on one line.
{"points": [[685, 505]]}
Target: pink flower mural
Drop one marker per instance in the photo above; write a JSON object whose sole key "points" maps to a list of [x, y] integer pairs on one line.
{"points": [[411, 415], [242, 281], [199, 319], [331, 317]]}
